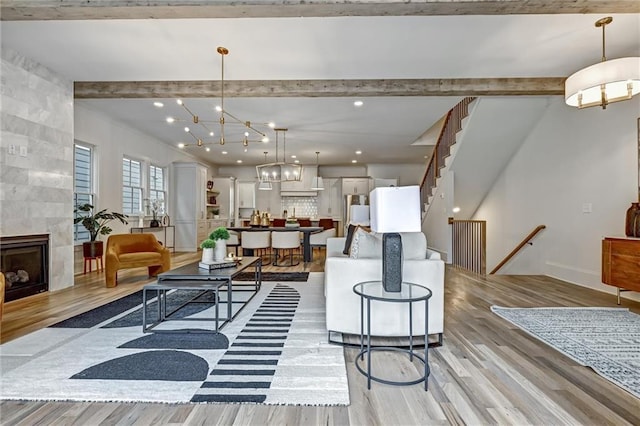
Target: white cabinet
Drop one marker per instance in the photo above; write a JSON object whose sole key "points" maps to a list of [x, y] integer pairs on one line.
{"points": [[246, 195], [303, 186], [330, 200], [356, 185], [189, 204]]}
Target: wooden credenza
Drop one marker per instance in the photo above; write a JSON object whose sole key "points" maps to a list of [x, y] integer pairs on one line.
{"points": [[621, 263]]}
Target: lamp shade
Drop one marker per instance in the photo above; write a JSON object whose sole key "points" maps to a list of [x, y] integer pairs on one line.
{"points": [[603, 83], [396, 209]]}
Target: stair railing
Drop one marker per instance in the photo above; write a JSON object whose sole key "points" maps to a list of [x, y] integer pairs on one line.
{"points": [[525, 241], [469, 245], [452, 125]]}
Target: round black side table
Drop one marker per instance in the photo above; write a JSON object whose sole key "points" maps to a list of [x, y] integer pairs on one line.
{"points": [[409, 293]]}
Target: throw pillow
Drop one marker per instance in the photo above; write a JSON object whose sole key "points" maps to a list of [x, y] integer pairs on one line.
{"points": [[365, 245], [414, 245]]}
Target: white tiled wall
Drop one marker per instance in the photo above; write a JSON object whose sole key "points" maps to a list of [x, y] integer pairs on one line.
{"points": [[36, 159], [304, 206]]}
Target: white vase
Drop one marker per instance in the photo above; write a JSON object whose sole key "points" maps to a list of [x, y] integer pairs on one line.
{"points": [[220, 251], [207, 255]]}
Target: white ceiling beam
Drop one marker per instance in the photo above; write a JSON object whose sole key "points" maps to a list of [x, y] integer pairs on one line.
{"points": [[320, 88], [29, 10]]}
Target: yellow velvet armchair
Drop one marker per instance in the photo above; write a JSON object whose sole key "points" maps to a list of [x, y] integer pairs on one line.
{"points": [[126, 251]]}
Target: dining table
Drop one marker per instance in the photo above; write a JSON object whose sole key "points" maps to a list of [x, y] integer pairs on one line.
{"points": [[306, 236]]}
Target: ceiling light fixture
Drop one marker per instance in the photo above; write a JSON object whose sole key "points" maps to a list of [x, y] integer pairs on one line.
{"points": [[279, 171], [358, 103], [225, 116], [158, 104], [603, 83], [317, 184], [265, 184]]}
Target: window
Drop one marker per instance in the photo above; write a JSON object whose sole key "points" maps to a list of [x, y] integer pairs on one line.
{"points": [[131, 187], [82, 185], [156, 187]]}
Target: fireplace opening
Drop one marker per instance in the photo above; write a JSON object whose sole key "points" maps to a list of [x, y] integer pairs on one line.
{"points": [[24, 261]]}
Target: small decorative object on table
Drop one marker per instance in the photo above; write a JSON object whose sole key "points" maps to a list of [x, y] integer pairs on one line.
{"points": [[209, 184], [632, 222], [207, 247], [217, 265], [156, 207], [220, 235]]}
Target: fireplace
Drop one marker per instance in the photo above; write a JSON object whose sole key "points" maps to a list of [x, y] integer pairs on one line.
{"points": [[24, 260]]}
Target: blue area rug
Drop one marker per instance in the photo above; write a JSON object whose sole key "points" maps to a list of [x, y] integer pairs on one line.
{"points": [[605, 339]]}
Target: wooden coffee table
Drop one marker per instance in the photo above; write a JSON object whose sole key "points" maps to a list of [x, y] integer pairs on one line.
{"points": [[191, 277]]}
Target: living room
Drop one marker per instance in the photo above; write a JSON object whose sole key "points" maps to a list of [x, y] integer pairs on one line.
{"points": [[569, 158]]}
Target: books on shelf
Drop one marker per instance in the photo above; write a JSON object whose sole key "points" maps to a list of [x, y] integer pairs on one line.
{"points": [[217, 265]]}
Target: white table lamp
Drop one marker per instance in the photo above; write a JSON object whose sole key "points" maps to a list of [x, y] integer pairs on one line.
{"points": [[394, 210]]}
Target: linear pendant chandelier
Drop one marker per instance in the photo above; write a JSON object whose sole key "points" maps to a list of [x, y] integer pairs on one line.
{"points": [[279, 171], [225, 115], [603, 83]]}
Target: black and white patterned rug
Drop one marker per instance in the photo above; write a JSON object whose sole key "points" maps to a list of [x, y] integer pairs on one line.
{"points": [[605, 339], [274, 352]]}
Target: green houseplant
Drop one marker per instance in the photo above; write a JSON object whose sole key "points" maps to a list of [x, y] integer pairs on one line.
{"points": [[220, 235], [207, 247], [97, 224]]}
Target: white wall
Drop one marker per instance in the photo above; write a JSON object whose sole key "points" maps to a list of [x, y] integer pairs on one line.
{"points": [[436, 226], [113, 140], [407, 174], [571, 158]]}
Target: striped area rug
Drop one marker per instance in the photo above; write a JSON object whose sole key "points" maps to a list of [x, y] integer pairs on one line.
{"points": [[247, 368], [274, 352]]}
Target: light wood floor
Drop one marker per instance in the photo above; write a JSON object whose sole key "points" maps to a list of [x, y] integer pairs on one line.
{"points": [[487, 372]]}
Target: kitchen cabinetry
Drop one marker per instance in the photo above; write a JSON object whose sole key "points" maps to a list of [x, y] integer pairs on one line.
{"points": [[330, 200], [356, 185], [189, 204], [246, 195], [303, 186]]}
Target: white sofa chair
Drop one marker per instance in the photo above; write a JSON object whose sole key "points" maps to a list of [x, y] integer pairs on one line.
{"points": [[387, 319]]}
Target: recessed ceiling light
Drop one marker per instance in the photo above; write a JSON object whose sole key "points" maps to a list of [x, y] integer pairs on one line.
{"points": [[272, 124], [358, 152], [238, 161], [208, 149], [358, 103], [354, 161], [218, 108], [158, 104], [456, 210], [293, 156], [211, 133], [296, 161], [265, 139], [186, 129], [170, 119], [246, 149], [179, 101], [224, 152], [180, 145], [246, 133]]}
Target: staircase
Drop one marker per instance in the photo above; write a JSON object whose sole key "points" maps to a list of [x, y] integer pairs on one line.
{"points": [[452, 125]]}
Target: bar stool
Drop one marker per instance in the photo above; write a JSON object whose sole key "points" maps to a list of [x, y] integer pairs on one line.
{"points": [[284, 240], [259, 241]]}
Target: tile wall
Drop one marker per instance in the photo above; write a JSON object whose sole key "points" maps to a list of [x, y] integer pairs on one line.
{"points": [[36, 159]]}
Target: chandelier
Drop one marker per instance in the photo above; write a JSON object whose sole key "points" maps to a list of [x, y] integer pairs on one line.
{"points": [[225, 118], [280, 171], [605, 82]]}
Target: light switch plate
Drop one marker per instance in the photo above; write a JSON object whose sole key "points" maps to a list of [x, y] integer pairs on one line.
{"points": [[587, 208], [23, 151]]}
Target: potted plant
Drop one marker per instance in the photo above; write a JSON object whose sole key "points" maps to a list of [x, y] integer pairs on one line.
{"points": [[207, 247], [96, 224], [220, 236]]}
